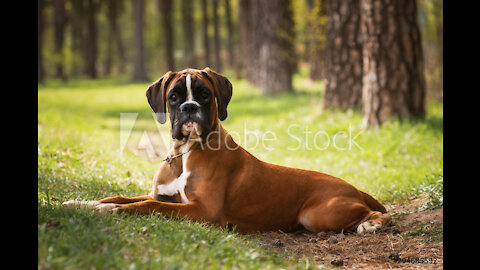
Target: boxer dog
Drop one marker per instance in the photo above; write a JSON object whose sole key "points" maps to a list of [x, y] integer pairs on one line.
{"points": [[208, 177]]}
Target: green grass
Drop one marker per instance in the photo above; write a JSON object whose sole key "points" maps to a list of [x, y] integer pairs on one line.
{"points": [[84, 239], [429, 232], [80, 157]]}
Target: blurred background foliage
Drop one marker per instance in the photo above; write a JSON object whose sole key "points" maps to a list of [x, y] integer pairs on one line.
{"points": [[320, 53], [97, 38]]}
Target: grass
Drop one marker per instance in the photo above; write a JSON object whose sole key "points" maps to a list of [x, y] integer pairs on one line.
{"points": [[84, 239], [85, 153], [429, 232], [434, 194]]}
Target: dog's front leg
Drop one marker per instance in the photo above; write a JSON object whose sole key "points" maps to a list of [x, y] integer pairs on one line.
{"points": [[95, 204], [106, 204], [192, 210], [124, 200]]}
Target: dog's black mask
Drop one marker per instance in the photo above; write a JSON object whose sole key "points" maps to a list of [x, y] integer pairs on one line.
{"points": [[190, 95], [189, 105]]}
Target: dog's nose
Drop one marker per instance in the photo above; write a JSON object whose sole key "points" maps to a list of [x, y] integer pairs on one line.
{"points": [[189, 107]]}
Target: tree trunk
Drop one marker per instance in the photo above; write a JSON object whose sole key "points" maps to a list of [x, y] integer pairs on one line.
{"points": [[119, 40], [59, 25], [206, 41], [244, 14], [139, 71], [216, 41], [114, 7], [343, 51], [77, 32], [272, 56], [228, 16], [91, 46], [41, 26], [316, 38], [439, 15], [188, 33], [111, 16], [166, 11], [393, 80]]}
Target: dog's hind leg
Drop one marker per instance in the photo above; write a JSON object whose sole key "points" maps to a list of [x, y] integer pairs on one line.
{"points": [[375, 220], [342, 213]]}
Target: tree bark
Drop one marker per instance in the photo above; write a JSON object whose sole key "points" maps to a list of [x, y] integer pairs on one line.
{"points": [[111, 16], [41, 26], [166, 11], [139, 71], [230, 33], [188, 33], [60, 19], [244, 14], [393, 79], [77, 32], [206, 39], [91, 46], [114, 8], [216, 35], [343, 52], [316, 38], [119, 41], [439, 15], [272, 56]]}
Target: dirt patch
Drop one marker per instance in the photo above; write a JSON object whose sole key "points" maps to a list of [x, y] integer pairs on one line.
{"points": [[414, 240]]}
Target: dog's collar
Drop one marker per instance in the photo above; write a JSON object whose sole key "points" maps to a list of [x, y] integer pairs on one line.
{"points": [[170, 158]]}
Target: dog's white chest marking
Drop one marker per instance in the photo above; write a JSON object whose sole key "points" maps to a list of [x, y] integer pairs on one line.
{"points": [[177, 185]]}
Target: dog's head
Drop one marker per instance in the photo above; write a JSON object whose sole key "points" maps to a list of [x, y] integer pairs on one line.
{"points": [[189, 96]]}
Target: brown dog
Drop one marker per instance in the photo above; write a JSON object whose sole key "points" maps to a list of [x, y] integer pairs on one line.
{"points": [[208, 177]]}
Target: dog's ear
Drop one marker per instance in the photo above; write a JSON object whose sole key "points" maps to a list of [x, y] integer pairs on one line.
{"points": [[156, 96], [223, 91]]}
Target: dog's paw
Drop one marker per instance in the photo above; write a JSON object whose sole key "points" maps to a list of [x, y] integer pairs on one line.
{"points": [[368, 226], [107, 208], [78, 204]]}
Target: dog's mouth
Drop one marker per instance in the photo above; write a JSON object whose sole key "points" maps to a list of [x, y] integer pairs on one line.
{"points": [[191, 128]]}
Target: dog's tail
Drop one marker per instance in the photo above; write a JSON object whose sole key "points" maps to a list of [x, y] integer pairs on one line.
{"points": [[372, 203]]}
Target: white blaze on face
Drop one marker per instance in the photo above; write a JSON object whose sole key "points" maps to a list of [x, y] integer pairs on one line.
{"points": [[188, 83], [189, 88]]}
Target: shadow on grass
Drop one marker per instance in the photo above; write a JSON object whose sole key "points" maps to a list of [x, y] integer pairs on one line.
{"points": [[434, 123]]}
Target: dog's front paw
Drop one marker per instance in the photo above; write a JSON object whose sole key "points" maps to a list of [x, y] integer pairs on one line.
{"points": [[78, 204], [107, 208]]}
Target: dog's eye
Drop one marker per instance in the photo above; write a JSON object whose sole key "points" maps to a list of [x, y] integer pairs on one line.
{"points": [[205, 94], [173, 98]]}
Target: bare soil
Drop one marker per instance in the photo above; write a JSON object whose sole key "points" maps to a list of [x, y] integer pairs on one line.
{"points": [[414, 240]]}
